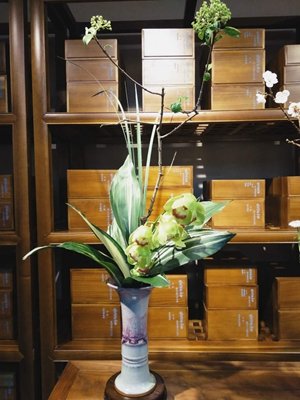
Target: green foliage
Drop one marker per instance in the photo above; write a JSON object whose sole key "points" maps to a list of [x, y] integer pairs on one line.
{"points": [[176, 107], [98, 23]]}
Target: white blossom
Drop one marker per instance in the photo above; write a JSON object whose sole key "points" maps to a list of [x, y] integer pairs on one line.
{"points": [[294, 110], [260, 97], [281, 97], [295, 223], [270, 78]]}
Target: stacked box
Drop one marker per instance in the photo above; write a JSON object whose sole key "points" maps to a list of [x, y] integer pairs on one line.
{"points": [[6, 203], [8, 386], [286, 308], [3, 79], [246, 202], [283, 201], [168, 61], [96, 307], [235, 88], [231, 303], [289, 70], [92, 79], [88, 190], [6, 304]]}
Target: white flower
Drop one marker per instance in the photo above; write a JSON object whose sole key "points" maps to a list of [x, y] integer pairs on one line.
{"points": [[295, 223], [294, 110], [281, 97], [270, 78], [260, 97]]}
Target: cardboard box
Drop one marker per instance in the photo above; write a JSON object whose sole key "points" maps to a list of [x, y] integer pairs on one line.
{"points": [[168, 42], [3, 94], [228, 297], [230, 276], [6, 279], [75, 48], [248, 213], [97, 97], [291, 74], [294, 89], [236, 189], [251, 66], [89, 69], [98, 212], [6, 329], [6, 189], [249, 38], [3, 70], [280, 210], [231, 324], [290, 54], [89, 183], [167, 322], [90, 286], [6, 303], [174, 176], [152, 103], [287, 324], [174, 295], [6, 215], [166, 71], [285, 186], [286, 292], [95, 321], [236, 97]]}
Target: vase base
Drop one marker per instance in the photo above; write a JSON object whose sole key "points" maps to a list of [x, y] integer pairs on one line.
{"points": [[159, 391]]}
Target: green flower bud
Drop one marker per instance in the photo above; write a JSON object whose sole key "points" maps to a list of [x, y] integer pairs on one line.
{"points": [[142, 236]]}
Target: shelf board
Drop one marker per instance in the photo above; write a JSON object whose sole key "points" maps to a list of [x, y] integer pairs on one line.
{"points": [[183, 349], [204, 116], [7, 118], [9, 238], [242, 236], [9, 351]]}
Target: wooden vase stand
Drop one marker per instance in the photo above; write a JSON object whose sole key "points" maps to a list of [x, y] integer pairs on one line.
{"points": [[159, 391]]}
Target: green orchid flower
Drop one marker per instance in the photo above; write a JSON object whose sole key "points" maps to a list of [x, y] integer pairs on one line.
{"points": [[168, 229]]}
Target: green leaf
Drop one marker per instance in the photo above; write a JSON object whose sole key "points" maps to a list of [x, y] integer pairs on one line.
{"points": [[111, 245], [176, 107], [125, 198], [155, 281], [200, 244], [231, 31], [206, 76]]}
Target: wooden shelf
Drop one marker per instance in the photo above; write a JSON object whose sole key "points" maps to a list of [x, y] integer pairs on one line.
{"points": [[7, 118], [9, 351], [242, 236], [8, 238]]}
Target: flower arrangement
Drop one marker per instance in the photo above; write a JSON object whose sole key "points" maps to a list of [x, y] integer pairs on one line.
{"points": [[140, 252], [280, 98]]}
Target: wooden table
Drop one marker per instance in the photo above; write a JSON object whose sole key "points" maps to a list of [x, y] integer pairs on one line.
{"points": [[212, 380]]}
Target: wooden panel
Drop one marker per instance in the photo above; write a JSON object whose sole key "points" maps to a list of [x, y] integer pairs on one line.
{"points": [[174, 295], [152, 103], [168, 42], [236, 189], [77, 49], [6, 189], [8, 386], [168, 72], [90, 286], [3, 70], [280, 210], [174, 176], [294, 90], [6, 329], [249, 38], [290, 54], [6, 215], [287, 324], [291, 74], [248, 213], [98, 211], [6, 303], [3, 94], [6, 279], [91, 69], [231, 324], [287, 292], [95, 321], [285, 186], [230, 276], [251, 66], [236, 97], [167, 322], [97, 97], [231, 297], [89, 183]]}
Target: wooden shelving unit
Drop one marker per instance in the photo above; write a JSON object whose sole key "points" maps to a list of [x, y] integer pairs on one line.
{"points": [[55, 350], [19, 353]]}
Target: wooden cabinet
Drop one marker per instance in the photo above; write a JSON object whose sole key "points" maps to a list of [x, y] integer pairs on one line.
{"points": [[17, 338], [235, 144]]}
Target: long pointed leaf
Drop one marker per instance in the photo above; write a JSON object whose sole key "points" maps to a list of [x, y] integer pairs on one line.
{"points": [[111, 245], [155, 281]]}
